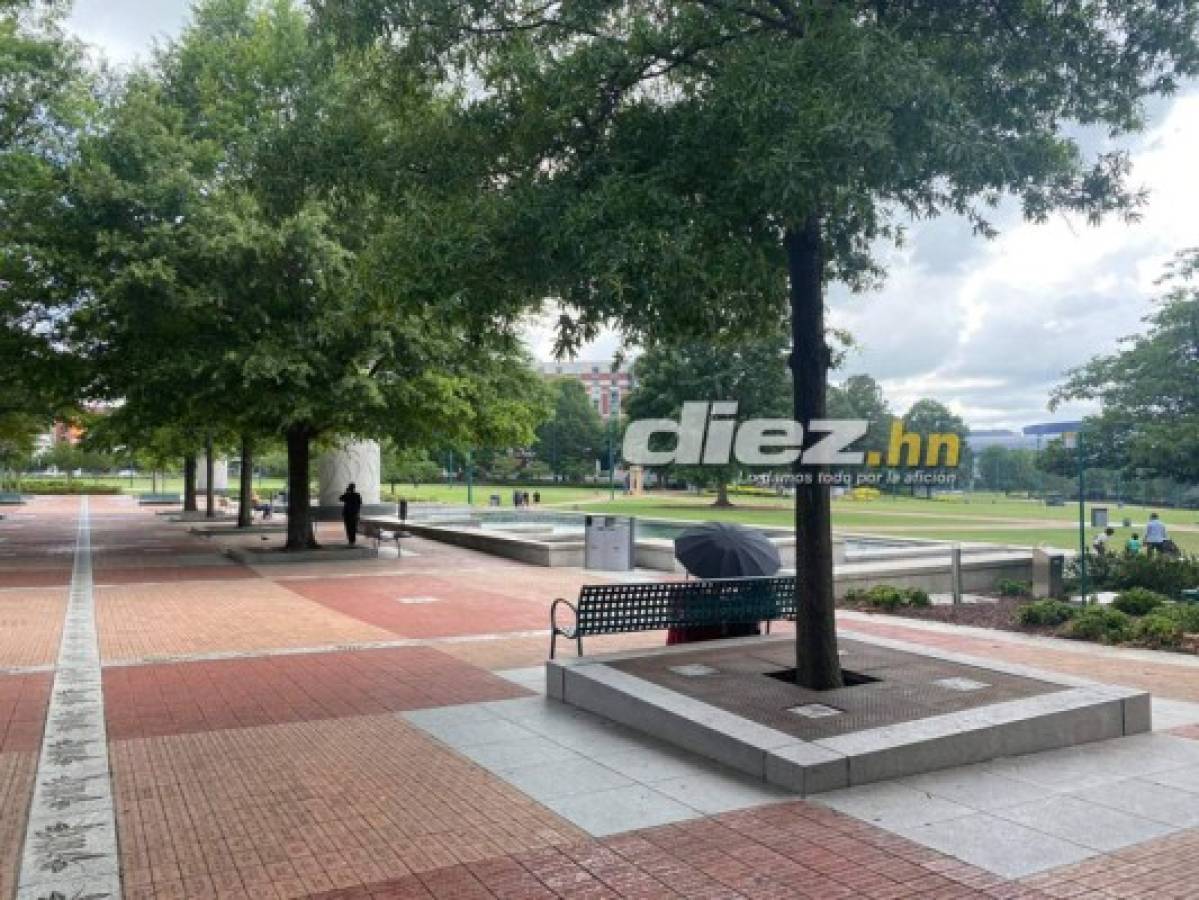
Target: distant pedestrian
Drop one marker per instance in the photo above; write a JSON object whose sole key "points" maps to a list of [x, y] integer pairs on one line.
{"points": [[1155, 534], [536, 498], [351, 512], [1133, 547], [1101, 541], [258, 506]]}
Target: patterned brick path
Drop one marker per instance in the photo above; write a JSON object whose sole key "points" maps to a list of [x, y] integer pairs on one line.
{"points": [[287, 771]]}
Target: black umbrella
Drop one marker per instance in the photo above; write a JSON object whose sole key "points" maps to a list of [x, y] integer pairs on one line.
{"points": [[723, 550]]}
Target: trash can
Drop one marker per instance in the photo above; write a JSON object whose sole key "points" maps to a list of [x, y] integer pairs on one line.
{"points": [[494, 500], [1099, 517], [609, 543], [1048, 574]]}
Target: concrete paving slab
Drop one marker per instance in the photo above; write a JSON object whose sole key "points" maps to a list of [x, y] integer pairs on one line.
{"points": [[1168, 714], [571, 777], [714, 793], [975, 787], [504, 755], [1001, 847], [1184, 779], [1147, 799], [622, 809], [892, 806], [1088, 824]]}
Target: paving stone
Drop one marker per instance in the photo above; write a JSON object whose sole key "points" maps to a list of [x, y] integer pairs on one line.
{"points": [[1087, 824], [892, 805], [1148, 800], [999, 846], [621, 809]]}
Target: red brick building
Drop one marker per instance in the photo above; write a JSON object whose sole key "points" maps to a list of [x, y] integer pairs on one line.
{"points": [[606, 388]]}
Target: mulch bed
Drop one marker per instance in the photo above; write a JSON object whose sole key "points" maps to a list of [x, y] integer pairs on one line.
{"points": [[1000, 615]]}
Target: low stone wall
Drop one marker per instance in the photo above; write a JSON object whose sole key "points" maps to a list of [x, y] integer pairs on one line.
{"points": [[980, 572], [523, 549]]}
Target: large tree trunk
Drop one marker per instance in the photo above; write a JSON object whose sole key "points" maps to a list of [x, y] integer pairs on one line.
{"points": [[189, 483], [299, 501], [209, 487], [245, 504], [817, 665], [722, 495]]}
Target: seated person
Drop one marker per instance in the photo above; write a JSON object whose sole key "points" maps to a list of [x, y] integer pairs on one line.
{"points": [[1101, 540], [1133, 547]]}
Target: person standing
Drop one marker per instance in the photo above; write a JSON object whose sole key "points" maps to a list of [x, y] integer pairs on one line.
{"points": [[1155, 534], [351, 512]]}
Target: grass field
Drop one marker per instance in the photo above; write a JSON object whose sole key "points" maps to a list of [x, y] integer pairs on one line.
{"points": [[988, 518]]}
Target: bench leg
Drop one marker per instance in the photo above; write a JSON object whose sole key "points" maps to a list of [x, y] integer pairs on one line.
{"points": [[553, 644], [579, 645]]}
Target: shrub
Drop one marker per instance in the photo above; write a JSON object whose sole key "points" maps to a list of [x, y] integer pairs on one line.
{"points": [[1157, 630], [1009, 587], [78, 487], [1162, 574], [884, 596], [1101, 623], [1185, 614], [1045, 612], [1138, 601]]}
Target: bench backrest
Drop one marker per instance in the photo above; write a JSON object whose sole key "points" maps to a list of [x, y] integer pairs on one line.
{"points": [[611, 608]]}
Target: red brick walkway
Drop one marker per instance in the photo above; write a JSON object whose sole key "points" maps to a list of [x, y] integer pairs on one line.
{"points": [[288, 773]]}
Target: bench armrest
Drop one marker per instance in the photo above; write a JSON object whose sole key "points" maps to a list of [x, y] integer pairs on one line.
{"points": [[570, 632]]}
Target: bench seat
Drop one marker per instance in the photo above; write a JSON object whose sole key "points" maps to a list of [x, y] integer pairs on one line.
{"points": [[655, 606]]}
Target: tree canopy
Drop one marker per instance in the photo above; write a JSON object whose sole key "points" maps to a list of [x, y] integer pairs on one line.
{"points": [[692, 170], [1149, 389]]}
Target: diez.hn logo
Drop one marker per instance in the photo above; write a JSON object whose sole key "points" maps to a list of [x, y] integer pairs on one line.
{"points": [[709, 434]]}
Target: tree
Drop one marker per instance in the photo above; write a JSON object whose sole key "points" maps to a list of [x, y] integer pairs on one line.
{"points": [[689, 169], [751, 374], [926, 419], [296, 297], [1150, 388], [573, 437], [43, 102]]}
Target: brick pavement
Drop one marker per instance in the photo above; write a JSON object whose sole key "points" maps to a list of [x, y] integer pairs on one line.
{"points": [[17, 771], [23, 703], [307, 807], [292, 775], [161, 620], [144, 701], [30, 626]]}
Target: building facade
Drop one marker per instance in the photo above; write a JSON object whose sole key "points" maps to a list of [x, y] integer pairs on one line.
{"points": [[607, 387]]}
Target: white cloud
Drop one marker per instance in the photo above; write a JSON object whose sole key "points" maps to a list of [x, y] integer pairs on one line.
{"points": [[126, 30]]}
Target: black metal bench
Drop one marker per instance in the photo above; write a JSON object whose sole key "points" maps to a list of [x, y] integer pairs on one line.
{"points": [[622, 608]]}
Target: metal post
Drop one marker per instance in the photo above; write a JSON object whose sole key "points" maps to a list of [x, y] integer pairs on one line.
{"points": [[611, 463], [955, 568], [1082, 522], [470, 479]]}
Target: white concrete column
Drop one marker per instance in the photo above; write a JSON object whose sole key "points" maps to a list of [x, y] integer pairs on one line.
{"points": [[356, 462], [220, 475]]}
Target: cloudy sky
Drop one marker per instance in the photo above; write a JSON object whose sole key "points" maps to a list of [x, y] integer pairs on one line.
{"points": [[987, 327]]}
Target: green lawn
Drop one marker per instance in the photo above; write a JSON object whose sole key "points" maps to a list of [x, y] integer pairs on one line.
{"points": [[989, 518]]}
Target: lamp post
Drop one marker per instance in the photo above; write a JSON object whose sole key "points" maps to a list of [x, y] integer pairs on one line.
{"points": [[611, 464], [470, 479], [1082, 516]]}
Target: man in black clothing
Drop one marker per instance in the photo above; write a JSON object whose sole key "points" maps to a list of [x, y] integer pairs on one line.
{"points": [[351, 511]]}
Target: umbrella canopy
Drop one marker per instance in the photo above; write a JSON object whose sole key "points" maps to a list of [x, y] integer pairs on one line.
{"points": [[724, 550]]}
